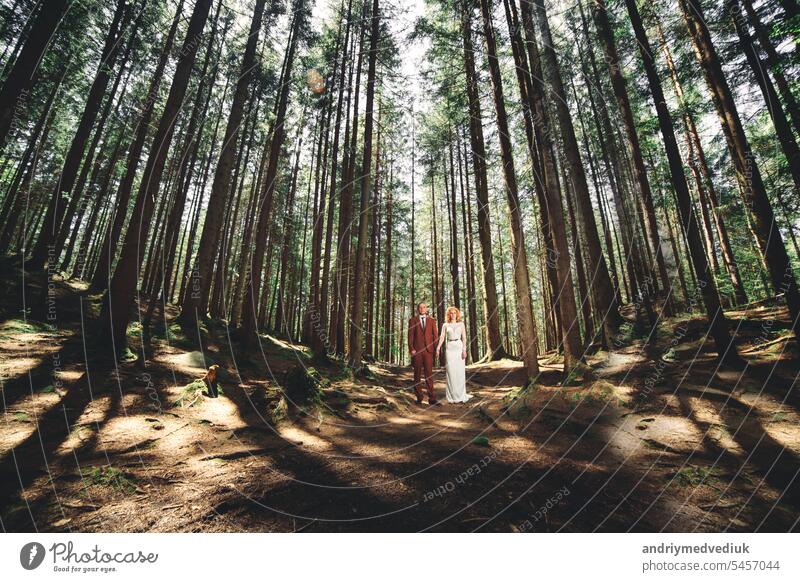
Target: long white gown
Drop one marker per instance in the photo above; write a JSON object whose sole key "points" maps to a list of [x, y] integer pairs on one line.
{"points": [[453, 335]]}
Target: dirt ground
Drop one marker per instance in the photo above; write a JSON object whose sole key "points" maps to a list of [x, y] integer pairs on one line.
{"points": [[660, 439]]}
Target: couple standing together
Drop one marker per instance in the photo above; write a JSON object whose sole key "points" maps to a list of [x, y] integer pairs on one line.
{"points": [[424, 342]]}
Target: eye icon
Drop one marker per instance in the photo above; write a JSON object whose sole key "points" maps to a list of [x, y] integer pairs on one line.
{"points": [[31, 555]]}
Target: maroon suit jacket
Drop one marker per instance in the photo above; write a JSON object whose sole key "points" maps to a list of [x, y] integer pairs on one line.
{"points": [[420, 340]]}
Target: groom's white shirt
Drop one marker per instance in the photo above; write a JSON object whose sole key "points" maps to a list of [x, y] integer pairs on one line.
{"points": [[422, 320]]}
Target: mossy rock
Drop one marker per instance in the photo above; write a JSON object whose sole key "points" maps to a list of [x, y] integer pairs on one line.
{"points": [[481, 441], [599, 393], [302, 386], [191, 394]]}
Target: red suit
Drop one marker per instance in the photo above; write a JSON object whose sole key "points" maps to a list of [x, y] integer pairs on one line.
{"points": [[422, 342]]}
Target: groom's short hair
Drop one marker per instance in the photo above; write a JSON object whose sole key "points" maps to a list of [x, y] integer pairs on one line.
{"points": [[421, 303]]}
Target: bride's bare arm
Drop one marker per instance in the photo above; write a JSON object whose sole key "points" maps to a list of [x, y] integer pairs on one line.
{"points": [[463, 341], [441, 339]]}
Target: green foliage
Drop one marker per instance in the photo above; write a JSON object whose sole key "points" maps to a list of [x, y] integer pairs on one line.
{"points": [[481, 441], [600, 392], [192, 394], [111, 477], [692, 476], [303, 386], [11, 328], [517, 400]]}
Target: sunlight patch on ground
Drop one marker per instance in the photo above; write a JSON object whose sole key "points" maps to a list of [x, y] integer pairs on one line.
{"points": [[657, 432], [402, 420], [220, 411], [19, 366], [784, 433], [286, 344], [191, 363], [296, 434], [85, 427], [718, 430], [618, 363], [503, 363], [451, 423]]}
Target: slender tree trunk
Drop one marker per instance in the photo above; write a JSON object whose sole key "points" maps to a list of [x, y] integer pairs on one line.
{"points": [[16, 87], [693, 138], [469, 255], [359, 278], [619, 85], [718, 323], [452, 208], [477, 143], [768, 235], [525, 323], [603, 291], [108, 248], [759, 69], [389, 289], [336, 332], [115, 313], [15, 198], [196, 302], [280, 309], [253, 286], [44, 251], [773, 61]]}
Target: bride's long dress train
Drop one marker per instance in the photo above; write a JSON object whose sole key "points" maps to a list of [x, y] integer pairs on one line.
{"points": [[455, 365]]}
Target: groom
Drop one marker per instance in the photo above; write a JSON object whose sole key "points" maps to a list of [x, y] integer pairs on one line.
{"points": [[422, 340]]}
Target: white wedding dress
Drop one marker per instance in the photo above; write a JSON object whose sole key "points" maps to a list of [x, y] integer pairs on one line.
{"points": [[453, 335]]}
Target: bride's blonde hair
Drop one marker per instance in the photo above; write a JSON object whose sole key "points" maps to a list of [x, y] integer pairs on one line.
{"points": [[452, 314]]}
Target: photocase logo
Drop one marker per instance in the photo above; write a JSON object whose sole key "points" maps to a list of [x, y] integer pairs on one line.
{"points": [[31, 555]]}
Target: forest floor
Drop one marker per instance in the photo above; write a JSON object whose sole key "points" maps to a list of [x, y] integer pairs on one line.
{"points": [[659, 440]]}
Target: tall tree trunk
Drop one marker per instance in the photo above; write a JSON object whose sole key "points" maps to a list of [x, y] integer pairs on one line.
{"points": [[196, 302], [773, 61], [338, 302], [759, 69], [619, 85], [102, 273], [693, 137], [288, 240], [452, 208], [44, 251], [324, 293], [548, 188], [115, 313], [314, 327], [526, 325], [494, 339], [603, 291], [15, 200], [253, 285], [718, 323], [17, 84], [359, 277], [389, 289], [751, 184], [469, 253]]}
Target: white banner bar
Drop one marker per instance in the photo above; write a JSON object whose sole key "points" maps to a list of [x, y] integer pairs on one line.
{"points": [[354, 557]]}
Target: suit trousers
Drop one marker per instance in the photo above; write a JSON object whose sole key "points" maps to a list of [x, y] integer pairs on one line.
{"points": [[423, 364]]}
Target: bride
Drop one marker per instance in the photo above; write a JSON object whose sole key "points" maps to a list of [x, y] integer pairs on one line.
{"points": [[455, 335]]}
